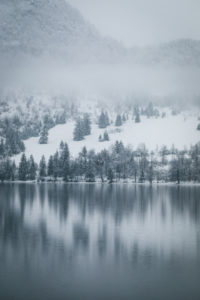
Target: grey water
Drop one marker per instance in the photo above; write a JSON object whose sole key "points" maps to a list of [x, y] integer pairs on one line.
{"points": [[93, 241]]}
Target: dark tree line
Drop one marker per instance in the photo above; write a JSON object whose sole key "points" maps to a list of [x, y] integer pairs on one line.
{"points": [[11, 142], [120, 163]]}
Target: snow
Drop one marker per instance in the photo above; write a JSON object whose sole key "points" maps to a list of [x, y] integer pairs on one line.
{"points": [[154, 133]]}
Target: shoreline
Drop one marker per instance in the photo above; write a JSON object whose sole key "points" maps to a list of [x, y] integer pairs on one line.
{"points": [[104, 183]]}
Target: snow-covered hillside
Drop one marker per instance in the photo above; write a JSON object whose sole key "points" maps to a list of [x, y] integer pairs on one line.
{"points": [[179, 130]]}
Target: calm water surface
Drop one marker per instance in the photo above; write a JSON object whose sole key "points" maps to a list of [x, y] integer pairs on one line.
{"points": [[60, 241]]}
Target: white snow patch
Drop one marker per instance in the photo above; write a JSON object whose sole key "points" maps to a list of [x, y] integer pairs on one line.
{"points": [[154, 133]]}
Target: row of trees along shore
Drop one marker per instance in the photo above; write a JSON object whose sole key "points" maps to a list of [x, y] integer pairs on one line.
{"points": [[120, 163]]}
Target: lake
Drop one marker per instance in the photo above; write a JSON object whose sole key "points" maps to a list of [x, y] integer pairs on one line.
{"points": [[93, 241]]}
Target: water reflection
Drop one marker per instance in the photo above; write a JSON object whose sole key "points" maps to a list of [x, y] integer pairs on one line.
{"points": [[63, 241]]}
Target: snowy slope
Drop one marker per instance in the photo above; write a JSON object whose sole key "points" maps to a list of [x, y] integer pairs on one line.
{"points": [[178, 130]]}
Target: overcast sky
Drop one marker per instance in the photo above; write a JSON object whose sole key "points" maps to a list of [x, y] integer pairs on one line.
{"points": [[143, 22]]}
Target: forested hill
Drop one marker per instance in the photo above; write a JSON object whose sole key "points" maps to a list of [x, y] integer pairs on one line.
{"points": [[51, 28], [55, 30], [92, 142]]}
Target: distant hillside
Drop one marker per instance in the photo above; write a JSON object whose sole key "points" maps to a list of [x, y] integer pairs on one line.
{"points": [[51, 28], [54, 29], [178, 52]]}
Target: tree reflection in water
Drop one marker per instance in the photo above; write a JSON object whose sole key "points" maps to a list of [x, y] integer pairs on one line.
{"points": [[66, 240]]}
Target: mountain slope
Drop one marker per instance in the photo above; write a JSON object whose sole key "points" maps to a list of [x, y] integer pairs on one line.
{"points": [[50, 27], [179, 52]]}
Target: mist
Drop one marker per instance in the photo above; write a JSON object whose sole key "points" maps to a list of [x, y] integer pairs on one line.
{"points": [[141, 22], [64, 50], [111, 82]]}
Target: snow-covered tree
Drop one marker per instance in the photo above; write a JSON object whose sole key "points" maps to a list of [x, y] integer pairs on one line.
{"points": [[42, 167], [13, 171], [56, 167], [78, 131], [106, 136], [32, 168], [2, 148], [110, 175], [62, 145], [86, 125], [2, 171], [124, 118], [50, 167], [48, 122], [23, 168], [61, 118], [90, 174], [103, 121], [118, 121], [65, 163], [43, 136], [137, 118], [13, 143]]}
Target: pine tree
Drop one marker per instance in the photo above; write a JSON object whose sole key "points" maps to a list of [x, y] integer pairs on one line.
{"points": [[48, 122], [86, 125], [2, 150], [103, 120], [163, 153], [78, 131], [175, 170], [56, 165], [83, 161], [150, 110], [150, 172], [13, 144], [23, 168], [32, 168], [65, 163], [43, 136], [13, 171], [50, 167], [42, 167], [105, 136], [2, 171], [110, 175], [90, 176], [100, 138], [107, 119], [99, 165], [61, 118], [137, 118], [118, 121], [62, 145], [142, 176], [124, 118], [118, 147], [198, 126], [16, 122], [8, 169]]}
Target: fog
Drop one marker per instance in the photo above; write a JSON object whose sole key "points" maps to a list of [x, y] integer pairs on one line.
{"points": [[168, 72], [106, 82]]}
